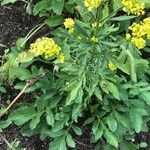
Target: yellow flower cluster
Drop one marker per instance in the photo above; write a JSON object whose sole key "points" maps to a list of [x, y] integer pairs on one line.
{"points": [[69, 24], [92, 4], [46, 47], [133, 7], [94, 39], [139, 32], [111, 66]]}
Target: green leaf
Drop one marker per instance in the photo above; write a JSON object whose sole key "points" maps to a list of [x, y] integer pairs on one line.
{"points": [[122, 18], [35, 121], [112, 123], [5, 124], [57, 6], [136, 119], [4, 2], [143, 145], [58, 144], [113, 89], [2, 89], [111, 138], [99, 133], [41, 6], [146, 97], [22, 115], [73, 94], [77, 130], [128, 146], [69, 140], [54, 21], [20, 72], [98, 93], [49, 117], [95, 127]]}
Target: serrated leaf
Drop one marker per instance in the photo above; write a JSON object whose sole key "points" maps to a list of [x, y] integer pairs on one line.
{"points": [[69, 140], [111, 138]]}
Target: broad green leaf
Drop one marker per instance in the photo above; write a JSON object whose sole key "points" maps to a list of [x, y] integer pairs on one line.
{"points": [[58, 144], [58, 126], [113, 89], [128, 146], [95, 127], [98, 93], [112, 123], [5, 124], [73, 93], [146, 97], [98, 134], [2, 89], [54, 21], [49, 117], [35, 121], [111, 138], [136, 119], [57, 6], [122, 119], [69, 140], [20, 72], [22, 115], [77, 130], [41, 6]]}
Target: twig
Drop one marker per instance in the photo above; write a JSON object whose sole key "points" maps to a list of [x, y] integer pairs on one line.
{"points": [[8, 144], [28, 84], [82, 144]]}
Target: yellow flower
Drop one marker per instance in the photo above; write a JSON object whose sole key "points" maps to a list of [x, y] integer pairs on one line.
{"points": [[128, 36], [69, 23], [111, 66], [94, 39], [140, 32], [133, 7], [139, 42], [62, 58], [45, 46], [92, 4]]}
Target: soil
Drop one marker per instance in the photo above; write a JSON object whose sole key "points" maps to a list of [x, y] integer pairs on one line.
{"points": [[15, 23]]}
